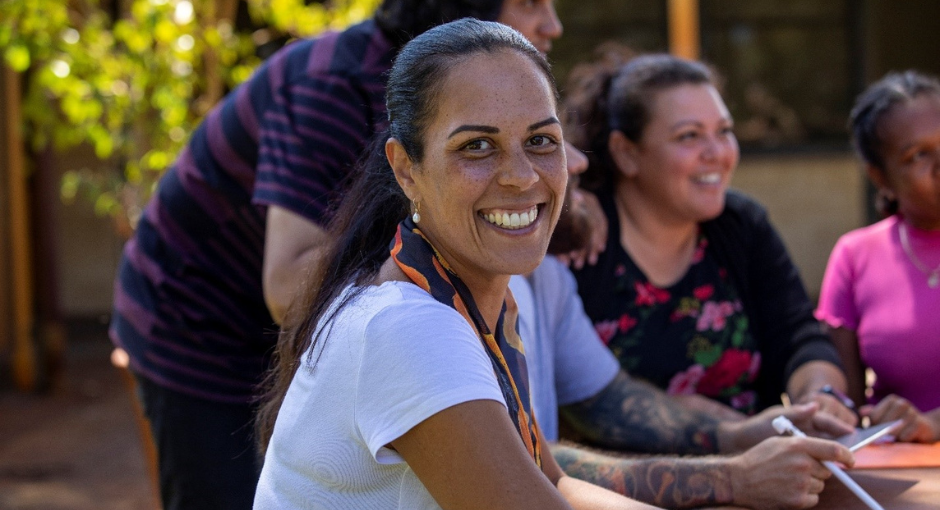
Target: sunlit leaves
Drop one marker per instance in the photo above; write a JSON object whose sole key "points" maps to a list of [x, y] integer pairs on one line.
{"points": [[134, 88]]}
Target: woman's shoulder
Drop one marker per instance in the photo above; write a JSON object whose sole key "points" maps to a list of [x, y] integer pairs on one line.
{"points": [[741, 206], [875, 231], [401, 306], [868, 238]]}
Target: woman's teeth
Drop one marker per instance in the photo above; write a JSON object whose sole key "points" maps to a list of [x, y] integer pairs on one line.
{"points": [[709, 178], [512, 221]]}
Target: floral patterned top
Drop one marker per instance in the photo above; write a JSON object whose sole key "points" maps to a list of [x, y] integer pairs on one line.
{"points": [[692, 337]]}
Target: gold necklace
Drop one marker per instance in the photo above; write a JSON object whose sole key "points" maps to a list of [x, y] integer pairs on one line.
{"points": [[933, 275]]}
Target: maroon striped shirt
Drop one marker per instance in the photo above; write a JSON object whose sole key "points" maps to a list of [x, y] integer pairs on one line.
{"points": [[188, 306]]}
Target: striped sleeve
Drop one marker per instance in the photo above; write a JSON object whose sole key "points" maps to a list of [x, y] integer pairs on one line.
{"points": [[309, 140]]}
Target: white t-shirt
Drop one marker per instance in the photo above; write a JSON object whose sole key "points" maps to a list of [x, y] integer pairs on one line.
{"points": [[391, 358]]}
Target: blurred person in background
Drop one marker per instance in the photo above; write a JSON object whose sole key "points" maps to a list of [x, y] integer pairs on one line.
{"points": [[695, 291], [881, 290]]}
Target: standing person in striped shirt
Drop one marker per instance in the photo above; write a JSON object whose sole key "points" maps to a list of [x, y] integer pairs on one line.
{"points": [[227, 237]]}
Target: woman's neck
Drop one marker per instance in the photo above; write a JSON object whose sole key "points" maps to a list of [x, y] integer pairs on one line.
{"points": [[661, 246], [489, 294]]}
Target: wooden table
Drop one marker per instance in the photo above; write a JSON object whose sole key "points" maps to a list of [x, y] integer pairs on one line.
{"points": [[894, 489]]}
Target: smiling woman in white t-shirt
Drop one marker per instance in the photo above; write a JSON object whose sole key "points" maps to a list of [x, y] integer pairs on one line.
{"points": [[401, 380]]}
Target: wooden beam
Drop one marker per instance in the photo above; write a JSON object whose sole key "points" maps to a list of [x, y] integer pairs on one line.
{"points": [[6, 312], [684, 35], [24, 355]]}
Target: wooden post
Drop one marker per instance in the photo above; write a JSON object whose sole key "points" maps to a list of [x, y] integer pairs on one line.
{"points": [[6, 299], [684, 36], [19, 267]]}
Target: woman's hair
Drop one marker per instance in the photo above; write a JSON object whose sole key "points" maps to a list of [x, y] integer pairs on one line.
{"points": [[365, 222], [871, 106], [401, 20], [615, 93]]}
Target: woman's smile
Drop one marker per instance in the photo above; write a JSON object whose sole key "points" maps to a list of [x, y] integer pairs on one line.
{"points": [[511, 219]]}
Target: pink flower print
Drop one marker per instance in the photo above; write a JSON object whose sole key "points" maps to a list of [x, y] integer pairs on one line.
{"points": [[606, 330], [754, 369], [648, 295], [625, 323], [722, 273], [685, 383], [744, 400], [620, 270], [704, 292], [713, 315]]}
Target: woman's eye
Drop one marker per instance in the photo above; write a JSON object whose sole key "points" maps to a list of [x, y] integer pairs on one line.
{"points": [[688, 135], [542, 143], [477, 145]]}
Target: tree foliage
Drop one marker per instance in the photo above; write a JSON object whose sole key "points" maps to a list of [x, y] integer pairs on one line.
{"points": [[133, 78]]}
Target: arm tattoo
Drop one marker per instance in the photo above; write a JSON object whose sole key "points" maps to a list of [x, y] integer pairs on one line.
{"points": [[632, 415], [669, 482]]}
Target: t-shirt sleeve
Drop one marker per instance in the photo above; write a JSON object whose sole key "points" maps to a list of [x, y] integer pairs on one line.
{"points": [[309, 141], [419, 358], [583, 364], [837, 295]]}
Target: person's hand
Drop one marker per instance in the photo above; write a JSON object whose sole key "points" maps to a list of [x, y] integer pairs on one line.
{"points": [[784, 472], [915, 426], [597, 222], [744, 434], [832, 405]]}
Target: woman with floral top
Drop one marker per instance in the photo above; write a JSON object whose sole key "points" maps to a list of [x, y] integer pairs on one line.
{"points": [[695, 291]]}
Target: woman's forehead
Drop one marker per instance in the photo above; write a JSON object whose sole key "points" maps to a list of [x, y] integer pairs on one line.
{"points": [[489, 84]]}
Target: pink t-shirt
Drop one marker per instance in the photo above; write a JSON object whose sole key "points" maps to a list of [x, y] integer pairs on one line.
{"points": [[871, 287]]}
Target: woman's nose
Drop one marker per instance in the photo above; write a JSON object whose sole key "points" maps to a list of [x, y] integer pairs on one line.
{"points": [[518, 171], [551, 25]]}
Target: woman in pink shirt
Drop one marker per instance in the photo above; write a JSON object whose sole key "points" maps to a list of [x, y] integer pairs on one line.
{"points": [[881, 291]]}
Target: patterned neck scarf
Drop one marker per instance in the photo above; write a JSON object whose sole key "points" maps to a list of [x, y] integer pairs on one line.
{"points": [[428, 270]]}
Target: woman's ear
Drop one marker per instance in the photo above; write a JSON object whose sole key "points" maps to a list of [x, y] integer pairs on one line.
{"points": [[402, 166], [623, 152], [879, 178]]}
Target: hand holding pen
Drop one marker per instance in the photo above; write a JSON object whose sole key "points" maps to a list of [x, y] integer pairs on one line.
{"points": [[784, 426]]}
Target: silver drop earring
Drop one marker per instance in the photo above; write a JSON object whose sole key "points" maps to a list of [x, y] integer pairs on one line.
{"points": [[416, 217]]}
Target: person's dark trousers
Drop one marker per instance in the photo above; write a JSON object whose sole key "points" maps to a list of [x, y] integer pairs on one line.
{"points": [[206, 451]]}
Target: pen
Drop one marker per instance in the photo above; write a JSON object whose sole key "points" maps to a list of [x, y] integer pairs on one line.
{"points": [[782, 425]]}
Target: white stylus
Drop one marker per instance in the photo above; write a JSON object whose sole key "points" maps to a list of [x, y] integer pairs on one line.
{"points": [[782, 425]]}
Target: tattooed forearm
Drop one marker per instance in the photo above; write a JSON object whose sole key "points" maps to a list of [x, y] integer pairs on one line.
{"points": [[669, 482], [632, 415]]}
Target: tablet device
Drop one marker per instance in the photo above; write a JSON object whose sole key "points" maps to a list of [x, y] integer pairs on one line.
{"points": [[861, 437]]}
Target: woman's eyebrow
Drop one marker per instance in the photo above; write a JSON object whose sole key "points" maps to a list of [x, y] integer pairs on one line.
{"points": [[550, 120], [471, 127], [494, 130]]}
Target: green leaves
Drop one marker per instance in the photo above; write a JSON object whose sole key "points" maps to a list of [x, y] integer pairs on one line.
{"points": [[133, 88], [17, 57]]}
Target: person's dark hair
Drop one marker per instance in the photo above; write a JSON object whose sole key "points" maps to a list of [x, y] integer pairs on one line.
{"points": [[615, 92], [365, 222], [872, 105], [401, 20]]}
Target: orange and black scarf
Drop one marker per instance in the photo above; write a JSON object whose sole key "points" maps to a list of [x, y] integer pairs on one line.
{"points": [[428, 270]]}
